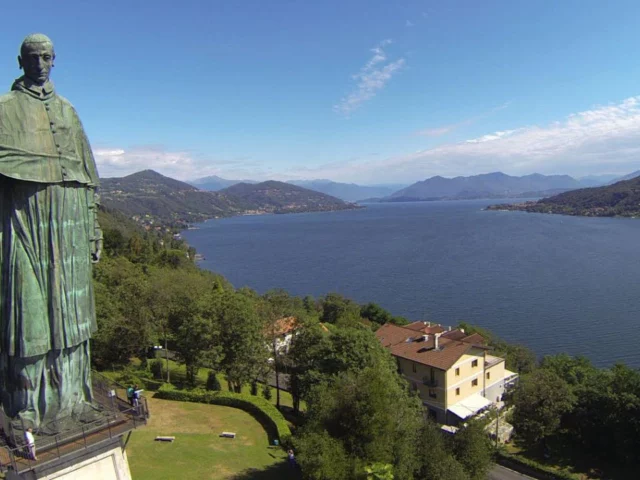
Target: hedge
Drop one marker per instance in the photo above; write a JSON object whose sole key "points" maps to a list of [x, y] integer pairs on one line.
{"points": [[264, 411], [531, 467]]}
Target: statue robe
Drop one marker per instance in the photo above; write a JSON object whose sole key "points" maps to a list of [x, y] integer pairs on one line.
{"points": [[48, 217]]}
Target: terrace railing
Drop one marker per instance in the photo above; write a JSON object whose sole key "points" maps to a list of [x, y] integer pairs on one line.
{"points": [[116, 418]]}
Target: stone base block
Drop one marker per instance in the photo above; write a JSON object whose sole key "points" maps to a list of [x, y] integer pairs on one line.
{"points": [[107, 462]]}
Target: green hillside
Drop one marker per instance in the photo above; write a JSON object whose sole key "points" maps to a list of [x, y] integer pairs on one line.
{"points": [[153, 199], [622, 199], [280, 197]]}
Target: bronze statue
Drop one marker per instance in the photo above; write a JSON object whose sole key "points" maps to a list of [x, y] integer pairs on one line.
{"points": [[49, 237]]}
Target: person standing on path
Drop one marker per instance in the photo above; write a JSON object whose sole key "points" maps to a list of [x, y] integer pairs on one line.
{"points": [[31, 443]]}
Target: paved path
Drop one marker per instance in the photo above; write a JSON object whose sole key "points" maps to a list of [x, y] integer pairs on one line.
{"points": [[501, 473]]}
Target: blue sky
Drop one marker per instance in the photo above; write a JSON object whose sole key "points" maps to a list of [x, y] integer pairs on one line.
{"points": [[361, 91]]}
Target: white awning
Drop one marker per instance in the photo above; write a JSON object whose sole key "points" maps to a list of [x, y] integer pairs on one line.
{"points": [[469, 406]]}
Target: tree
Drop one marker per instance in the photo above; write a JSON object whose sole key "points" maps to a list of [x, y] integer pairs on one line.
{"points": [[472, 449], [372, 415], [337, 309], [517, 357], [573, 370], [540, 400], [277, 305], [242, 341], [122, 311], [436, 460], [379, 471], [212, 381], [194, 308], [322, 457], [378, 315], [309, 350], [317, 356]]}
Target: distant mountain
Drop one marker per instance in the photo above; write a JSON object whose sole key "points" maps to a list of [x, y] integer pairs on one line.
{"points": [[489, 185], [148, 194], [280, 197], [597, 180], [628, 176], [349, 192], [620, 199], [154, 199], [215, 183]]}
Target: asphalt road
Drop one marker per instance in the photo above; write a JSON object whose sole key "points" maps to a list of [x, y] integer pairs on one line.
{"points": [[502, 473]]}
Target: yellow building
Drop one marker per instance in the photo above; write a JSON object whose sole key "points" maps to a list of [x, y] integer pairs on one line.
{"points": [[453, 372]]}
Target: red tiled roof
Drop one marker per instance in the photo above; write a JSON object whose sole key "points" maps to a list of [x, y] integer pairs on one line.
{"points": [[425, 327], [475, 338], [415, 326], [284, 325], [404, 343]]}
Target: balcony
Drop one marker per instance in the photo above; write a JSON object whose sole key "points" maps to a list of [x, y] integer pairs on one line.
{"points": [[430, 382], [117, 418]]}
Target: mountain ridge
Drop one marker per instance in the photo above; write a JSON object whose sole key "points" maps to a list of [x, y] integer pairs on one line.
{"points": [[154, 199], [487, 185], [622, 199]]}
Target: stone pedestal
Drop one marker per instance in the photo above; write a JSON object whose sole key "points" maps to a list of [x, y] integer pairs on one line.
{"points": [[105, 461]]}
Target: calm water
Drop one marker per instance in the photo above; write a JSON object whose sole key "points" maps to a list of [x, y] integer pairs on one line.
{"points": [[553, 283]]}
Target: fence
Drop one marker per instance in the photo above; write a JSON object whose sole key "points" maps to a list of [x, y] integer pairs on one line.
{"points": [[116, 418]]}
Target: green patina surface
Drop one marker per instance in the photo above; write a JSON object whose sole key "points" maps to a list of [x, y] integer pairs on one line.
{"points": [[49, 236]]}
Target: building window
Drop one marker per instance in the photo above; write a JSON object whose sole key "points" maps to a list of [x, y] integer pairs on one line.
{"points": [[432, 393], [474, 363], [488, 375], [457, 391], [457, 372], [474, 382], [413, 367]]}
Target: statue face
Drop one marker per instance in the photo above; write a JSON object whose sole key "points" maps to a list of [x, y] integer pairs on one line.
{"points": [[36, 61]]}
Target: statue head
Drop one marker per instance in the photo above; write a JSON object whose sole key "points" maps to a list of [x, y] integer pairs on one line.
{"points": [[36, 57]]}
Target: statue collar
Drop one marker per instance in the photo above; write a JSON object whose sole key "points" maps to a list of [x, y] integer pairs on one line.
{"points": [[41, 92]]}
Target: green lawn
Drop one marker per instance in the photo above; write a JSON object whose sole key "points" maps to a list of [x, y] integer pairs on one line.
{"points": [[198, 451]]}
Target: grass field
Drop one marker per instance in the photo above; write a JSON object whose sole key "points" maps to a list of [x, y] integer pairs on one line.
{"points": [[198, 451]]}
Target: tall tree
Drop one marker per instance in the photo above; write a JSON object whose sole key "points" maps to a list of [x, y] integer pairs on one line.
{"points": [[373, 417], [472, 449], [436, 460], [194, 307], [540, 400], [242, 340]]}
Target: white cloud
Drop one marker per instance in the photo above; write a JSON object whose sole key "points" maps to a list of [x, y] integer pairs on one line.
{"points": [[438, 131], [409, 23], [445, 129], [182, 165], [371, 78], [605, 139]]}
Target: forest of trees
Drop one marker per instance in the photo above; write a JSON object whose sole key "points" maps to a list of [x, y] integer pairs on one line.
{"points": [[360, 415]]}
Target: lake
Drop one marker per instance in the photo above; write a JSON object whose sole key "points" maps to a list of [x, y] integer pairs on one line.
{"points": [[553, 283]]}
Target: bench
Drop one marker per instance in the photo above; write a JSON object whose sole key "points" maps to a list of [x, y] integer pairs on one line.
{"points": [[228, 434], [165, 439]]}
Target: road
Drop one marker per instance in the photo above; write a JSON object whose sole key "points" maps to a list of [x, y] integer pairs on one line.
{"points": [[501, 473]]}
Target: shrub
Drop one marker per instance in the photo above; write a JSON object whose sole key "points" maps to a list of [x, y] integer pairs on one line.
{"points": [[265, 412], [531, 467], [156, 369], [254, 389], [266, 392], [129, 376], [213, 383]]}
